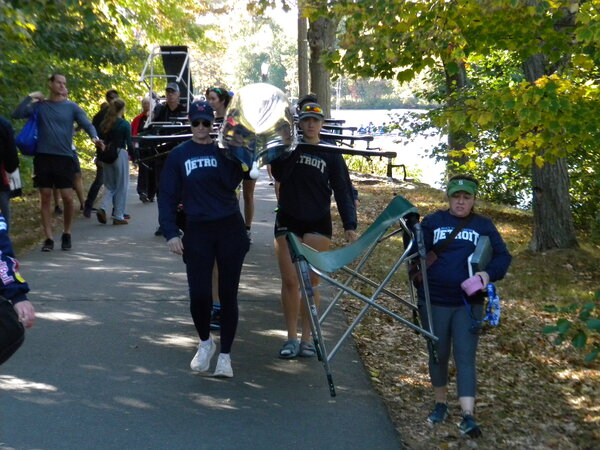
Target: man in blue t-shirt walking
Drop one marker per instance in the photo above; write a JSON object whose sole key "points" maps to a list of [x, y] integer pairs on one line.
{"points": [[53, 164]]}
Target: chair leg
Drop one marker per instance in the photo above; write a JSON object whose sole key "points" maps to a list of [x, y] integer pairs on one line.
{"points": [[309, 299], [433, 349]]}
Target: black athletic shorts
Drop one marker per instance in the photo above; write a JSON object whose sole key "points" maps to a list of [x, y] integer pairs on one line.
{"points": [[53, 171], [284, 223], [77, 163]]}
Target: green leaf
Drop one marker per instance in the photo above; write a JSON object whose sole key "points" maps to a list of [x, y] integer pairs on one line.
{"points": [[588, 306], [584, 315], [551, 308], [571, 308], [563, 325], [579, 340], [550, 329], [452, 68], [590, 357], [594, 324]]}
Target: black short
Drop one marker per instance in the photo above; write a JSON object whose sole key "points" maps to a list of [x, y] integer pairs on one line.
{"points": [[284, 223], [77, 163], [53, 171]]}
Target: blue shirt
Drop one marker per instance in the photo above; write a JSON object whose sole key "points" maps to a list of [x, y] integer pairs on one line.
{"points": [[203, 180], [55, 124]]}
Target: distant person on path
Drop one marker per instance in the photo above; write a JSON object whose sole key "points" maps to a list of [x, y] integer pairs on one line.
{"points": [[110, 95], [14, 289], [170, 111], [53, 163], [456, 316], [218, 99], [197, 174], [78, 180], [9, 162], [307, 179], [116, 131], [146, 183]]}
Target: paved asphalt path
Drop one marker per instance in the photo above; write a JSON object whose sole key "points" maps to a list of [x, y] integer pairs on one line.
{"points": [[107, 364]]}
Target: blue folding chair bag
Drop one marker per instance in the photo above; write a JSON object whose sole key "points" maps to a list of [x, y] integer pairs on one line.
{"points": [[27, 138]]}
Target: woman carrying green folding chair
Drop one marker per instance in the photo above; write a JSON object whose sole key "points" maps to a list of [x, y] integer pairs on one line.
{"points": [[307, 179]]}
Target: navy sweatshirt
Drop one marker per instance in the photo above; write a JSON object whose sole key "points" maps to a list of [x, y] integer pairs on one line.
{"points": [[12, 285], [451, 269], [201, 178], [307, 180]]}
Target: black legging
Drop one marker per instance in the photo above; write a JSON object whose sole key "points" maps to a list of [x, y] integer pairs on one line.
{"points": [[95, 186], [226, 242]]}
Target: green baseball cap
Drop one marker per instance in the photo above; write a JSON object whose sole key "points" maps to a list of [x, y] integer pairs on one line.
{"points": [[461, 184]]}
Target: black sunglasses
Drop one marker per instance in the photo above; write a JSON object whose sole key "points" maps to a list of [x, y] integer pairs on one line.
{"points": [[205, 123]]}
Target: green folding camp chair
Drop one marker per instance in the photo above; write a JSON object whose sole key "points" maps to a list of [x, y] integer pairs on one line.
{"points": [[399, 217]]}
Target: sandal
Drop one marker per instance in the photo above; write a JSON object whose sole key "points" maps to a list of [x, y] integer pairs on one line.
{"points": [[290, 349], [307, 349]]}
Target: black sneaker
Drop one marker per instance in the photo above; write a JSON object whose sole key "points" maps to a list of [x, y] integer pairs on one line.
{"points": [[158, 232], [58, 210], [439, 413], [48, 245], [469, 427], [101, 215], [215, 319], [65, 241]]}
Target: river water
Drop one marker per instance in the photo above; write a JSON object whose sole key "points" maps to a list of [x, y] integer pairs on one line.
{"points": [[412, 155]]}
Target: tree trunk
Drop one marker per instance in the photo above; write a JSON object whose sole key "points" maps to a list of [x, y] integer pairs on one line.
{"points": [[552, 218], [302, 55], [457, 139], [321, 37]]}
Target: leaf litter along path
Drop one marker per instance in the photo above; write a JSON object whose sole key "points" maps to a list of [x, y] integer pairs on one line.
{"points": [[531, 394]]}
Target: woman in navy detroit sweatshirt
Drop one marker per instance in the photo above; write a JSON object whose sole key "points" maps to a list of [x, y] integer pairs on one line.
{"points": [[197, 175], [454, 313]]}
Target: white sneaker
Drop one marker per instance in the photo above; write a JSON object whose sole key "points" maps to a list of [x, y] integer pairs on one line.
{"points": [[201, 361], [223, 369]]}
